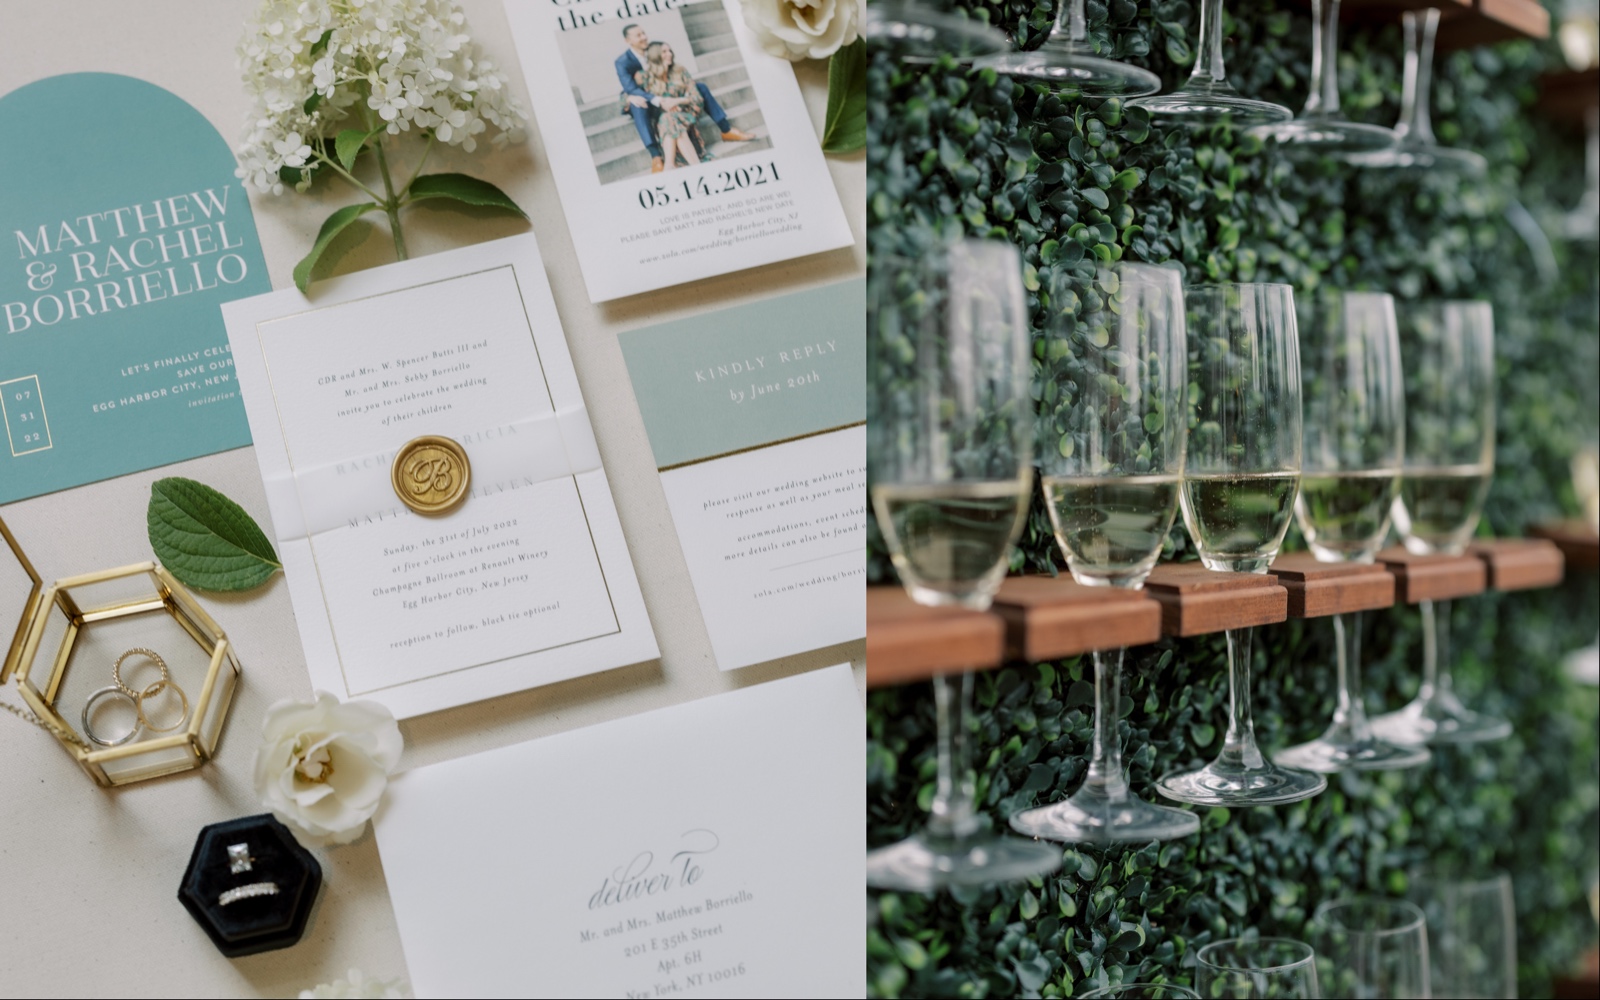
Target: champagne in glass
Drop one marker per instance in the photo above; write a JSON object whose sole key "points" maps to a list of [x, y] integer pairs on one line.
{"points": [[1354, 443], [1448, 352], [1112, 460], [1240, 480], [950, 465]]}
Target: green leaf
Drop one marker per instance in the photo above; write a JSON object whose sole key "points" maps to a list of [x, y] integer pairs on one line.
{"points": [[844, 128], [311, 104], [467, 190], [1096, 197], [206, 540], [348, 145], [321, 45], [337, 223]]}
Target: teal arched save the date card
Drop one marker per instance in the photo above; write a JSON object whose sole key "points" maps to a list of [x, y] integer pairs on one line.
{"points": [[122, 231]]}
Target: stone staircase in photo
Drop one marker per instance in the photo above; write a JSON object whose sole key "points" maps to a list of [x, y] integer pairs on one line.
{"points": [[613, 140]]}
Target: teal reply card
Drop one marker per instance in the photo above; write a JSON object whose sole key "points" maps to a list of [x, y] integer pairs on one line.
{"points": [[122, 230], [757, 418]]}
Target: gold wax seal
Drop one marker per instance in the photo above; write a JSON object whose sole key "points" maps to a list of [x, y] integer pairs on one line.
{"points": [[431, 474]]}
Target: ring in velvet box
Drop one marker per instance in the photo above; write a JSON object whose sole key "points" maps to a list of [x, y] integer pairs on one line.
{"points": [[250, 885]]}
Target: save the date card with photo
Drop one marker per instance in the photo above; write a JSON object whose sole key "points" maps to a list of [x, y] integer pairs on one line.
{"points": [[681, 150], [710, 849], [757, 418], [445, 526]]}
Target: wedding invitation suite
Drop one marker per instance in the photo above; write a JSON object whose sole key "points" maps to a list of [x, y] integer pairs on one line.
{"points": [[680, 148], [527, 581], [756, 415], [711, 849], [113, 358]]}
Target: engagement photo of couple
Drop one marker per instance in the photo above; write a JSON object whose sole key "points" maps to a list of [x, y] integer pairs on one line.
{"points": [[672, 92]]}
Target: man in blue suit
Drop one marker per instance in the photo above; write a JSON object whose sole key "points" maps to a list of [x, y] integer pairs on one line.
{"points": [[644, 106]]}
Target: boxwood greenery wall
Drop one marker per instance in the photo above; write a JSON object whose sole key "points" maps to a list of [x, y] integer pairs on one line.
{"points": [[956, 151]]}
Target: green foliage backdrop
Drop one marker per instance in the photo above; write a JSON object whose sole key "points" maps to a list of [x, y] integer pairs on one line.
{"points": [[951, 151]]}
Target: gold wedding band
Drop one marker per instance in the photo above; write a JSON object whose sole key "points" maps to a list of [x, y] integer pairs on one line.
{"points": [[431, 474], [150, 692]]}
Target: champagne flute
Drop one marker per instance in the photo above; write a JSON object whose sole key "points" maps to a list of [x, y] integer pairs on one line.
{"points": [[923, 31], [1068, 61], [1239, 485], [949, 453], [1447, 353], [1416, 148], [1256, 967], [1472, 932], [1112, 461], [1321, 129], [1354, 437], [1371, 948], [1207, 98]]}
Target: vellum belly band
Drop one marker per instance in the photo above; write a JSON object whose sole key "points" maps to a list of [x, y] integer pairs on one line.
{"points": [[359, 490]]}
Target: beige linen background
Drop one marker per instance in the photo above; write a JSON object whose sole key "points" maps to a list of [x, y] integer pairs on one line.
{"points": [[88, 877]]}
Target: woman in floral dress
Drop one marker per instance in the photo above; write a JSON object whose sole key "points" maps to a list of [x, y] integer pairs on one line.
{"points": [[675, 127]]}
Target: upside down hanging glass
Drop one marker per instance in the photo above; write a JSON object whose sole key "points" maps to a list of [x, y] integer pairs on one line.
{"points": [[923, 31], [1321, 129], [1068, 60], [1207, 98]]}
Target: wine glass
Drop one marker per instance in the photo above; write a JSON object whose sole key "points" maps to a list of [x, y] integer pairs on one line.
{"points": [[1354, 437], [1256, 967], [1207, 98], [1239, 485], [949, 454], [1112, 466], [1371, 948], [1415, 146], [1068, 60], [1472, 932], [1320, 129], [922, 31], [1447, 355]]}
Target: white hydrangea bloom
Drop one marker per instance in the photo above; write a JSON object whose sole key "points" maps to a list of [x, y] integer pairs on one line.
{"points": [[318, 67]]}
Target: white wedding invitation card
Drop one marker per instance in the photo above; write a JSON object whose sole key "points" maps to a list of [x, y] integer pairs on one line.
{"points": [[527, 581], [710, 849], [757, 417], [681, 150]]}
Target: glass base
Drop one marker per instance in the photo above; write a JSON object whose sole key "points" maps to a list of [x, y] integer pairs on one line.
{"points": [[1090, 816], [1200, 108], [1330, 756], [1223, 784], [1439, 718], [1424, 156], [1327, 137], [1075, 69], [927, 863], [917, 34]]}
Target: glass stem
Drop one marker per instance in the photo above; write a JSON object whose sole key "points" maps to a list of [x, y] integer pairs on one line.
{"points": [[1208, 69], [952, 813], [1239, 745], [1350, 715], [1416, 122], [1430, 651], [1072, 27], [1323, 97], [1442, 681], [1105, 761]]}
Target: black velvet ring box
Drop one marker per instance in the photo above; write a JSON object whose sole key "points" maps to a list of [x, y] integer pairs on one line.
{"points": [[259, 923]]}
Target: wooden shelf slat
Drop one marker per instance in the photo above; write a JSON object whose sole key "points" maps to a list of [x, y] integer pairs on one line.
{"points": [[1577, 541], [1462, 23], [1051, 617], [1197, 601], [1434, 578], [1318, 589], [1567, 96], [1520, 563], [908, 642]]}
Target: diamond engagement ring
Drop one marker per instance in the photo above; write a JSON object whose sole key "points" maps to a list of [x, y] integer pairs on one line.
{"points": [[239, 859], [250, 891]]}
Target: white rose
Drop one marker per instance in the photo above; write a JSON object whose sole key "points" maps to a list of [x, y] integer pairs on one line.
{"points": [[804, 29], [357, 986], [322, 767]]}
